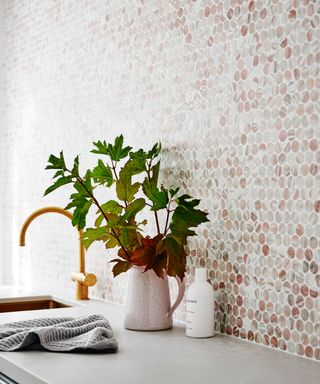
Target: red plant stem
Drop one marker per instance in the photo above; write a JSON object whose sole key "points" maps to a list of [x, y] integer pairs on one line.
{"points": [[157, 222]]}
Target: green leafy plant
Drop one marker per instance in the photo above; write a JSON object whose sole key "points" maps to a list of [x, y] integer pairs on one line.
{"points": [[116, 224]]}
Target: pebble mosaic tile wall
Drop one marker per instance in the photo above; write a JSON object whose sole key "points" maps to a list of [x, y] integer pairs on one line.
{"points": [[1, 113], [231, 88]]}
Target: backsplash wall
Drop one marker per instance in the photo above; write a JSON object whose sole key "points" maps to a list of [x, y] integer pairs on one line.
{"points": [[1, 120], [230, 88]]}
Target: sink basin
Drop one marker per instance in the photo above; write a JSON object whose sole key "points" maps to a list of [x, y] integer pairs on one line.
{"points": [[30, 304]]}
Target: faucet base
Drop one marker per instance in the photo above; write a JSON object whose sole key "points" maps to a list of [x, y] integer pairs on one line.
{"points": [[81, 291], [83, 281]]}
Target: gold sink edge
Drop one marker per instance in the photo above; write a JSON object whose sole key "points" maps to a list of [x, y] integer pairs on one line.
{"points": [[33, 303]]}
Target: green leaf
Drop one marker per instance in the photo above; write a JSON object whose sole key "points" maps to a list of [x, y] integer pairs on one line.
{"points": [[81, 200], [173, 191], [102, 174], [113, 220], [158, 197], [155, 173], [117, 151], [129, 236], [111, 242], [139, 154], [93, 234], [80, 213], [75, 169], [185, 216], [136, 164], [110, 206], [59, 164], [125, 189], [101, 148], [84, 190], [58, 183], [155, 151], [150, 155], [133, 208], [58, 173], [99, 220], [99, 234], [56, 162]]}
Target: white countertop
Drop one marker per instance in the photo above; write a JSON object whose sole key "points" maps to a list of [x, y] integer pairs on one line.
{"points": [[152, 357]]}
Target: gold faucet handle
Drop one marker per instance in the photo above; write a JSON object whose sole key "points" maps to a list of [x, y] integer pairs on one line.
{"points": [[87, 279]]}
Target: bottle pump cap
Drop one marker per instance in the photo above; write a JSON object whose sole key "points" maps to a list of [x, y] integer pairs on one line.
{"points": [[200, 274]]}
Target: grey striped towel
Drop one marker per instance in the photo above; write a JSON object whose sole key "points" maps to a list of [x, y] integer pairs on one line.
{"points": [[91, 333]]}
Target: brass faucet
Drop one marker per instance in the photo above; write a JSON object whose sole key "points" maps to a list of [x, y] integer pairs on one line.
{"points": [[82, 279]]}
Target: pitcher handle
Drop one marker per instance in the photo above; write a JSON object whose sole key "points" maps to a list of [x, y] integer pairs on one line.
{"points": [[182, 287]]}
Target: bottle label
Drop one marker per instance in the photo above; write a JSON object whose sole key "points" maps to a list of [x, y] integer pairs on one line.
{"points": [[200, 315]]}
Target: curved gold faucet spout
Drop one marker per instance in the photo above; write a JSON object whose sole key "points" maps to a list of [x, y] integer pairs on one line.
{"points": [[82, 279], [40, 212]]}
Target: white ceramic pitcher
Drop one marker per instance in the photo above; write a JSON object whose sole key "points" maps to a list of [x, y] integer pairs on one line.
{"points": [[147, 306]]}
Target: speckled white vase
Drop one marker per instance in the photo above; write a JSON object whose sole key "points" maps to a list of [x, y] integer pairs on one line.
{"points": [[147, 306]]}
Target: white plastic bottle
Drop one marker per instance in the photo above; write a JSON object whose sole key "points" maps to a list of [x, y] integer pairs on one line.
{"points": [[200, 306]]}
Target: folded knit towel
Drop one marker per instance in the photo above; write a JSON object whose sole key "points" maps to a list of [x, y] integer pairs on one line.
{"points": [[91, 333]]}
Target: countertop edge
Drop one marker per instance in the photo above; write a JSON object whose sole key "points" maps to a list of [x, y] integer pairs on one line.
{"points": [[19, 374]]}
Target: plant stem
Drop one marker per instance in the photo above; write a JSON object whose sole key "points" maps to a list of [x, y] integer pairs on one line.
{"points": [[113, 166], [167, 219], [157, 222], [80, 180], [155, 212]]}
